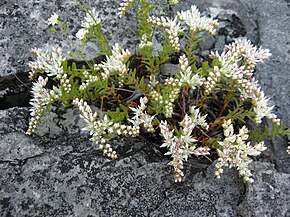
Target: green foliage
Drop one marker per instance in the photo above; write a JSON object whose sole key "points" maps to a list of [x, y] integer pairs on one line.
{"points": [[269, 131], [191, 103]]}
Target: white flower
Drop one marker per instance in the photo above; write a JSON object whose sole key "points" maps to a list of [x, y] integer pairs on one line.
{"points": [[115, 63], [123, 7], [181, 147], [82, 33], [47, 61], [187, 77], [153, 81], [234, 151], [53, 20], [141, 117], [172, 28], [41, 98], [91, 19], [86, 113], [197, 119], [196, 23], [144, 42], [211, 80], [261, 107]]}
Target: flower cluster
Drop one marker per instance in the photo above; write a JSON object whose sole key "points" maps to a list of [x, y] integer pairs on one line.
{"points": [[172, 28], [49, 62], [96, 127], [166, 100], [89, 80], [104, 129], [145, 42], [116, 63], [262, 108], [91, 19], [197, 118], [53, 20], [196, 23], [182, 146], [41, 98], [230, 66], [123, 8], [234, 151], [173, 84], [211, 80], [241, 50], [141, 116], [187, 77]]}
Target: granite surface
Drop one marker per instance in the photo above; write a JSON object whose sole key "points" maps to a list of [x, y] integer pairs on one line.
{"points": [[58, 173]]}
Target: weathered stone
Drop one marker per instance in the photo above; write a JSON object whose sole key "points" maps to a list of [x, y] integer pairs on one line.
{"points": [[24, 25], [64, 177], [67, 176], [169, 69], [203, 195], [232, 14], [58, 171], [14, 90], [274, 75], [269, 195], [16, 146]]}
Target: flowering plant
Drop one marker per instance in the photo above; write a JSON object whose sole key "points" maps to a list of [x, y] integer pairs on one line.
{"points": [[201, 109]]}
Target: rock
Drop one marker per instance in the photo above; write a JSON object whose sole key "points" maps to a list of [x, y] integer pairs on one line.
{"points": [[67, 178], [65, 175], [17, 147], [14, 120], [58, 171], [169, 69], [203, 195], [24, 26], [234, 15], [207, 43], [268, 195], [83, 184], [274, 74]]}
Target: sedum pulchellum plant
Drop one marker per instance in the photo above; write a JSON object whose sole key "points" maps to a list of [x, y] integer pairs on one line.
{"points": [[200, 110]]}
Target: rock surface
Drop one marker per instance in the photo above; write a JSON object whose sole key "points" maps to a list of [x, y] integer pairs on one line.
{"points": [[58, 173], [63, 175]]}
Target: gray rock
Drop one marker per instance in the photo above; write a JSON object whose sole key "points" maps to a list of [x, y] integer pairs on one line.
{"points": [[23, 25], [16, 146], [169, 69], [231, 14], [66, 176], [207, 43], [58, 172], [268, 195], [274, 75], [203, 195]]}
